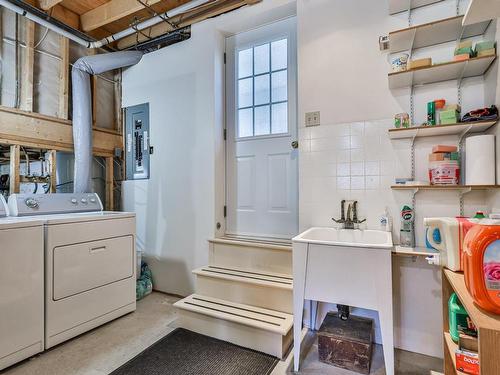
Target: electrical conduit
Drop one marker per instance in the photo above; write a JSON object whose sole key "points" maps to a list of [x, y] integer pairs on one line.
{"points": [[31, 13]]}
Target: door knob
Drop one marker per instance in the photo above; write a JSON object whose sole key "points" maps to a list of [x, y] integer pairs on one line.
{"points": [[295, 144]]}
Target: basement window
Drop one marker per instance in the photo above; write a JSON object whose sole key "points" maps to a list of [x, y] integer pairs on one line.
{"points": [[262, 89]]}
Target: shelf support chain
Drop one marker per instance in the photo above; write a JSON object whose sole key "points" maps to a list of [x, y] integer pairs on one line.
{"points": [[461, 196]]}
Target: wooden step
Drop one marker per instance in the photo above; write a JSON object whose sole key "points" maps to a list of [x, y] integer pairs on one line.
{"points": [[252, 327], [263, 289], [251, 255]]}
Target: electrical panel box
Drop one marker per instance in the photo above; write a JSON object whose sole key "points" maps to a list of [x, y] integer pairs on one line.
{"points": [[138, 148]]}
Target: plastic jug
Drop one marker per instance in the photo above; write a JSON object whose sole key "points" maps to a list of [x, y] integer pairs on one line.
{"points": [[446, 234], [482, 264], [459, 319]]}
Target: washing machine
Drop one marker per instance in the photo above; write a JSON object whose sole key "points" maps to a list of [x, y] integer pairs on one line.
{"points": [[21, 287], [90, 273]]}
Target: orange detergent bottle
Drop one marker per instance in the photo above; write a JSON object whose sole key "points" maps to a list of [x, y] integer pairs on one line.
{"points": [[481, 259]]}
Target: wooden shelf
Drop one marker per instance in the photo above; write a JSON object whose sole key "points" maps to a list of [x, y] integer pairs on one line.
{"points": [[444, 187], [488, 326], [451, 346], [480, 10], [476, 66], [398, 6], [414, 251], [437, 32], [481, 318], [437, 130]]}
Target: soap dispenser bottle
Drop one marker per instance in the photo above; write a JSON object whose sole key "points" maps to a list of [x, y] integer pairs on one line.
{"points": [[385, 221]]}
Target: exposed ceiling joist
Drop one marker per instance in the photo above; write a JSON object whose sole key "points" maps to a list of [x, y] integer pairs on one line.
{"points": [[196, 15], [112, 11], [47, 4]]}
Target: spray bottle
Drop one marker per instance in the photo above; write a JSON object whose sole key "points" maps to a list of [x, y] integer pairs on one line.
{"points": [[407, 232]]}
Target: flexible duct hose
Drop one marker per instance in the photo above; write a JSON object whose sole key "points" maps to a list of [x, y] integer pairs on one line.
{"points": [[82, 108]]}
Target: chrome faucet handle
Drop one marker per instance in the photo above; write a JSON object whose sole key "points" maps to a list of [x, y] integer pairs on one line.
{"points": [[359, 221], [338, 221]]}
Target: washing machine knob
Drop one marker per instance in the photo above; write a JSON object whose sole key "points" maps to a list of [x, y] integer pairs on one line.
{"points": [[92, 200], [31, 202], [84, 200], [74, 201]]}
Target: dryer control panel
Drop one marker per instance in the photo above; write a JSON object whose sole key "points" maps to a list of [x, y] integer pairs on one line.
{"points": [[47, 204], [3, 207]]}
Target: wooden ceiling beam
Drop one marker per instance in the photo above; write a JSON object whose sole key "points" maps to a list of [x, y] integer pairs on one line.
{"points": [[66, 16], [47, 4], [116, 9]]}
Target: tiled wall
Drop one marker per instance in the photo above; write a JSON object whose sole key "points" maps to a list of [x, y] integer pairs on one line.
{"points": [[346, 161]]}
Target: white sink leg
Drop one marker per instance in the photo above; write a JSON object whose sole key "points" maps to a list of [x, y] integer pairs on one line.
{"points": [[299, 278], [385, 312]]}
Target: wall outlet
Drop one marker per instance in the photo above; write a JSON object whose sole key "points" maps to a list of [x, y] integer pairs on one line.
{"points": [[312, 118]]}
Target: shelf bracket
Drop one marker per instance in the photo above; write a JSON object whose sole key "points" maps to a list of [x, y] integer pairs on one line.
{"points": [[412, 154], [461, 198], [414, 198]]}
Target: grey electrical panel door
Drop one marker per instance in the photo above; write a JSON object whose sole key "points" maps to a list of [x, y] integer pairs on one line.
{"points": [[137, 137]]}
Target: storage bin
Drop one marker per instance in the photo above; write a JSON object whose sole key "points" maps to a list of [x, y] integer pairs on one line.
{"points": [[346, 343]]}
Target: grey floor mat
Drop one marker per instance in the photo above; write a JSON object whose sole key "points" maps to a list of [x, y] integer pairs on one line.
{"points": [[183, 352]]}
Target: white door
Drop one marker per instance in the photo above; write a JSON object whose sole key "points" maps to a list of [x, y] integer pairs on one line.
{"points": [[261, 162]]}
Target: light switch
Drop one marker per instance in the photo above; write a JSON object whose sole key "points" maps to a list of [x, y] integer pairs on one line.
{"points": [[312, 118]]}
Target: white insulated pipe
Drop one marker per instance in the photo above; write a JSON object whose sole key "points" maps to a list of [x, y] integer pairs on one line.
{"points": [[105, 41]]}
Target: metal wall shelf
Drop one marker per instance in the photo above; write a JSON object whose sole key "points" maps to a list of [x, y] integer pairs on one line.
{"points": [[476, 66], [432, 33], [398, 6], [437, 130], [445, 187]]}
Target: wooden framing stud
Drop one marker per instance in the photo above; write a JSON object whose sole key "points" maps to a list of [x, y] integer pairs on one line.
{"points": [[63, 78], [27, 65], [53, 170], [15, 179], [109, 184]]}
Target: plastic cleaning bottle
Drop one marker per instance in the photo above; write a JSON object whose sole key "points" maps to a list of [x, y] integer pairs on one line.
{"points": [[407, 231], [446, 234], [482, 264], [385, 221]]}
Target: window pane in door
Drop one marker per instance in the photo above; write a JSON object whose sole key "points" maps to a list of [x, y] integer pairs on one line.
{"points": [[279, 86], [245, 92], [279, 54], [262, 90], [245, 122], [261, 59], [262, 120], [280, 118], [245, 63]]}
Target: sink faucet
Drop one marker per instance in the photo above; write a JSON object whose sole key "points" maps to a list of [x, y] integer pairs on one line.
{"points": [[351, 218]]}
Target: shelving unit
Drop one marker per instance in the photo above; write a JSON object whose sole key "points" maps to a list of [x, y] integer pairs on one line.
{"points": [[432, 33], [476, 66], [445, 187], [488, 326], [437, 130], [398, 6], [480, 10]]}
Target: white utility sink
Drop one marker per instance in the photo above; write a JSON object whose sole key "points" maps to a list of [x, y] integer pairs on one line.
{"points": [[346, 237], [346, 266]]}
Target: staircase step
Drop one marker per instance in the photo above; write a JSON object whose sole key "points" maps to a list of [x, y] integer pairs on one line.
{"points": [[256, 256], [266, 290], [256, 328]]}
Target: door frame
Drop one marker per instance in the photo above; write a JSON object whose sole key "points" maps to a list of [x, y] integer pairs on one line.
{"points": [[290, 32]]}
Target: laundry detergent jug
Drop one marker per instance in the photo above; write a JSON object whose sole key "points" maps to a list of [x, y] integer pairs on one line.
{"points": [[482, 264], [446, 234]]}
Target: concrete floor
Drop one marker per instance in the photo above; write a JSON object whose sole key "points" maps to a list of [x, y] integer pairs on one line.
{"points": [[106, 348]]}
